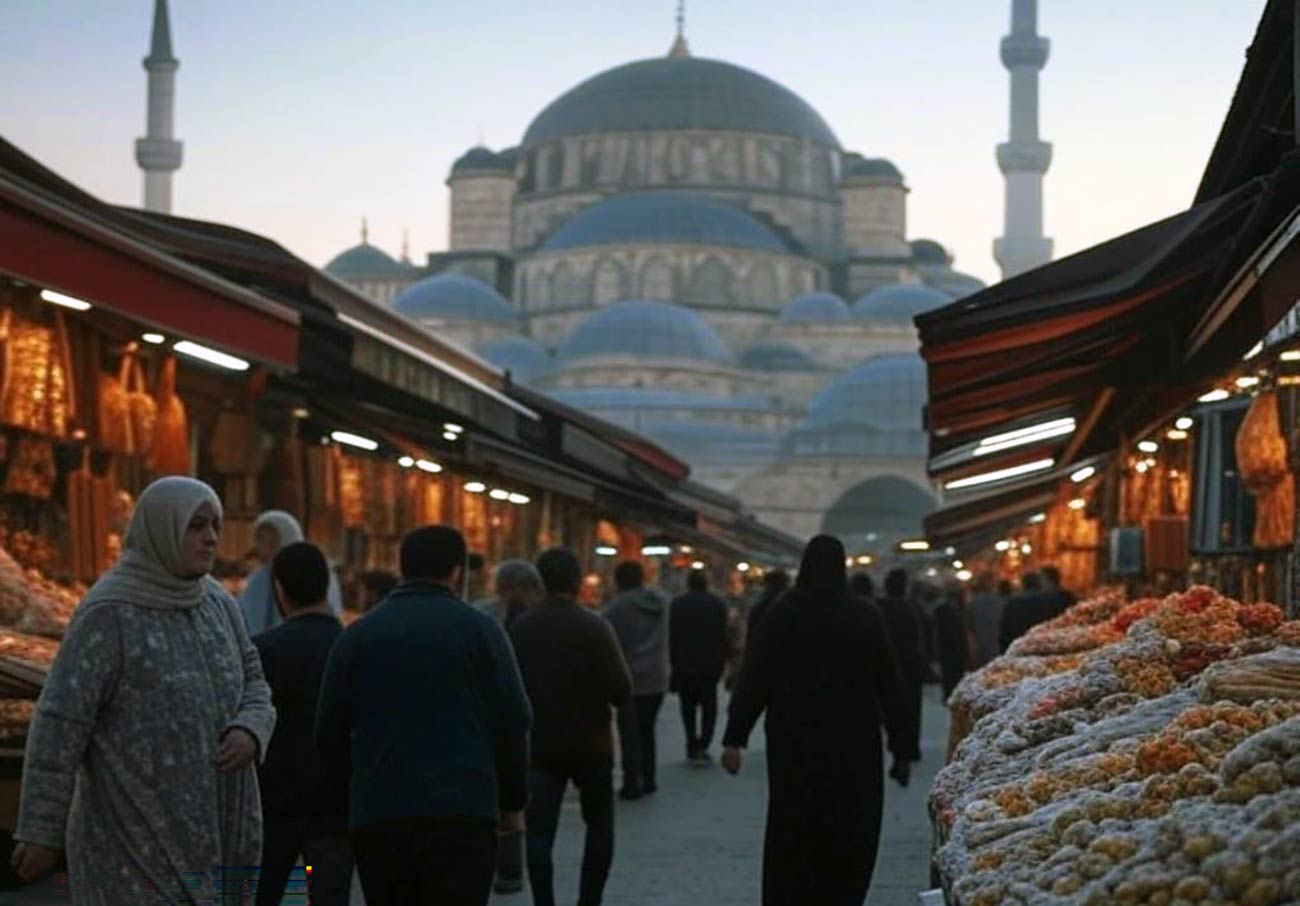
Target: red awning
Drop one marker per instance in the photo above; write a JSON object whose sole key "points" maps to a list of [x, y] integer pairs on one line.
{"points": [[50, 242]]}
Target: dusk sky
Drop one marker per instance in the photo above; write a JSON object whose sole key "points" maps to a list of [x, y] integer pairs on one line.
{"points": [[300, 116]]}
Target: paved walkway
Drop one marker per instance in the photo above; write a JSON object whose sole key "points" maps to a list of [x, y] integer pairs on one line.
{"points": [[700, 839]]}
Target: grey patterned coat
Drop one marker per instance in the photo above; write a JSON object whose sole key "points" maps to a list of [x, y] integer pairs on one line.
{"points": [[121, 760]]}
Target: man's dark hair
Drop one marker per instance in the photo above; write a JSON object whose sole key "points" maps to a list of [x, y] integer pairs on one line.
{"points": [[1031, 582], [561, 571], [862, 586], [777, 580], [698, 580], [629, 575], [303, 574], [1052, 575], [896, 583], [378, 582], [476, 562], [432, 552]]}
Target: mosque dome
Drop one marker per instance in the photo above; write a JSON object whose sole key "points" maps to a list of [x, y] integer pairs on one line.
{"points": [[525, 359], [815, 307], [646, 330], [363, 261], [775, 355], [876, 169], [481, 160], [454, 297], [679, 93], [927, 251], [665, 217], [885, 393], [899, 302]]}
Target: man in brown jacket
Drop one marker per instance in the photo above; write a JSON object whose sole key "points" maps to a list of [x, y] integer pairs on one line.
{"points": [[575, 674]]}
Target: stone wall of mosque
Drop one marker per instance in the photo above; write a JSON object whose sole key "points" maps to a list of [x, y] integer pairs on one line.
{"points": [[842, 345], [724, 164], [481, 212]]}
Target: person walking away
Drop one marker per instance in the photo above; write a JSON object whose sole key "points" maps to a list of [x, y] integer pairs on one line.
{"points": [[423, 708], [955, 639], [906, 630], [776, 582], [697, 631], [517, 587], [821, 668], [303, 812], [575, 674], [861, 586], [639, 616], [1024, 611], [375, 586], [271, 531], [1058, 599], [985, 614], [154, 712]]}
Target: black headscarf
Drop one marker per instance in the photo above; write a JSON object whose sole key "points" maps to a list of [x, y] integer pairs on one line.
{"points": [[823, 572]]}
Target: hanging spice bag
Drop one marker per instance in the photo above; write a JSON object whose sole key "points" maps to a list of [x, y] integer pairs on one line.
{"points": [[170, 453], [1262, 460], [141, 407], [115, 410]]}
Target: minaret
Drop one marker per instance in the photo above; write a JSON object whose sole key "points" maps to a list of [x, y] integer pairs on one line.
{"points": [[158, 153], [1025, 158]]}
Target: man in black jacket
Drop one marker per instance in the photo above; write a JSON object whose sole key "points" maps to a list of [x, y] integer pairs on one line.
{"points": [[423, 698], [906, 628], [697, 643], [575, 675], [303, 813], [1025, 610]]}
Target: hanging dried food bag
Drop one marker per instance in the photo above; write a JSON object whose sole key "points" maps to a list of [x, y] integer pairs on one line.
{"points": [[35, 384], [236, 444], [142, 408], [1262, 460], [115, 410], [170, 453]]}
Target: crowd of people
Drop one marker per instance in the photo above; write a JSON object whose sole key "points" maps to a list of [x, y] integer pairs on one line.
{"points": [[191, 748]]}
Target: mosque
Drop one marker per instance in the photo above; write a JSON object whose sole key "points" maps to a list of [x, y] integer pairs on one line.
{"points": [[682, 246]]}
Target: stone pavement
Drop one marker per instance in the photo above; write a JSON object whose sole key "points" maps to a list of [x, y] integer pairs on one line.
{"points": [[699, 841]]}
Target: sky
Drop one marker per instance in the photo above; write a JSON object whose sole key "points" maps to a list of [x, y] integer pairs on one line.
{"points": [[300, 116]]}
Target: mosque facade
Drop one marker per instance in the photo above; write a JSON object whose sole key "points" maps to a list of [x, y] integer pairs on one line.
{"points": [[682, 246]]}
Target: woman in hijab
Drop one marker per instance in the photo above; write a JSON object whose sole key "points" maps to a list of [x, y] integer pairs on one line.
{"points": [[273, 530], [140, 759], [820, 666]]}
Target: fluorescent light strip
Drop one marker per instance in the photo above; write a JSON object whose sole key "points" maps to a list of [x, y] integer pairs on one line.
{"points": [[1214, 396], [153, 339], [970, 481], [1253, 351], [499, 494], [1082, 475], [1037, 518], [211, 356], [475, 487], [1032, 429], [656, 550], [405, 462], [354, 440], [1185, 423], [606, 551], [1291, 355], [65, 301], [914, 546], [1059, 431], [519, 499], [425, 465]]}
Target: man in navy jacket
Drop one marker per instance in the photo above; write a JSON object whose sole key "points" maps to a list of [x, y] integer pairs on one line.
{"points": [[423, 705]]}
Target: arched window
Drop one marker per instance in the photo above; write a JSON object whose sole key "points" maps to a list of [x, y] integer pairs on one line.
{"points": [[608, 284], [710, 284], [658, 281], [764, 290], [566, 288]]}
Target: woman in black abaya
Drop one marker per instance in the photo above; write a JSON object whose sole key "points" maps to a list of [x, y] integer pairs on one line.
{"points": [[821, 667]]}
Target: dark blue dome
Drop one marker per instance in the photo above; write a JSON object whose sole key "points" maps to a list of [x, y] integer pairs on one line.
{"points": [[482, 160], [365, 260], [677, 93], [825, 307], [525, 359], [927, 251], [899, 302], [454, 297], [885, 393], [646, 330], [664, 217], [875, 168], [775, 355]]}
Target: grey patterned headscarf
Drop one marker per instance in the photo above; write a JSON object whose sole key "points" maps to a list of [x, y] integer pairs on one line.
{"points": [[149, 572]]}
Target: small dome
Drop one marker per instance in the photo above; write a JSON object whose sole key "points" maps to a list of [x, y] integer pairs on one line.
{"points": [[812, 307], [665, 217], [365, 260], [483, 160], [525, 359], [899, 302], [871, 168], [675, 94], [886, 393], [646, 330], [954, 283], [454, 297], [775, 355], [927, 251]]}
